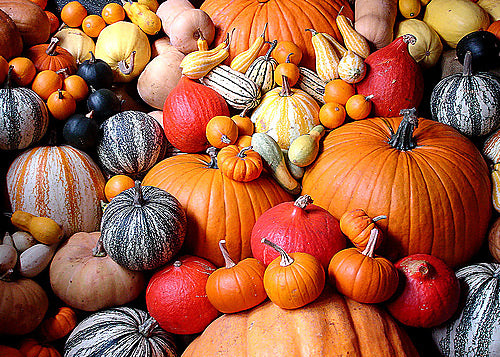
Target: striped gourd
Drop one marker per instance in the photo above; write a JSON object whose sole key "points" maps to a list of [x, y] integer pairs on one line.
{"points": [[24, 117], [351, 68], [327, 59], [469, 102], [119, 332], [491, 147], [475, 330], [143, 227], [59, 182], [312, 84], [131, 142], [198, 63], [341, 50], [353, 40], [243, 60], [495, 185], [261, 71], [238, 90], [285, 113]]}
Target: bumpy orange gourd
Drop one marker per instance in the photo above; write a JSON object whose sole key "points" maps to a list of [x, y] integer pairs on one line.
{"points": [[240, 164], [357, 225], [221, 131]]}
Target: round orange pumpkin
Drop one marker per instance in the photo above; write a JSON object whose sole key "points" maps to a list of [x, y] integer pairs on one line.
{"points": [[58, 325], [51, 56], [32, 348]]}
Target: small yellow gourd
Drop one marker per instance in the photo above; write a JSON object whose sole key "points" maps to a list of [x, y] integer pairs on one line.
{"points": [[142, 16], [153, 5], [351, 68], [341, 50], [201, 42], [43, 229], [409, 8], [327, 59], [243, 60], [353, 40], [304, 149]]}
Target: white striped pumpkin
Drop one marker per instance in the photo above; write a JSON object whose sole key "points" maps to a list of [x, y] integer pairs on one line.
{"points": [[491, 147], [59, 182], [143, 227], [469, 102], [495, 186], [23, 118], [285, 113], [475, 330], [131, 143], [119, 332]]}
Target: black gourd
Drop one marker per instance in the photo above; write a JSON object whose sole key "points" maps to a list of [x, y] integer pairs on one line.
{"points": [[81, 131], [104, 102], [97, 73], [485, 49]]}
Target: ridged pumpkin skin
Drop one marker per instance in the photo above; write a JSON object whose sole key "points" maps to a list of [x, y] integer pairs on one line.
{"points": [[119, 332], [59, 182], [216, 206], [416, 189], [30, 347], [143, 227], [250, 17], [88, 279], [58, 325], [475, 328], [330, 326]]}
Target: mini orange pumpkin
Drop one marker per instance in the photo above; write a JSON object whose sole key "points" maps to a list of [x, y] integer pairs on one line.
{"points": [[32, 348], [59, 325], [23, 70], [358, 106], [51, 56], [244, 124], [61, 104], [74, 84], [236, 287], [116, 185], [46, 82], [357, 225], [288, 69], [242, 165], [221, 131]]}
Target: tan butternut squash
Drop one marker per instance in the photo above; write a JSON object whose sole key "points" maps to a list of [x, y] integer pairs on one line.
{"points": [[375, 21]]}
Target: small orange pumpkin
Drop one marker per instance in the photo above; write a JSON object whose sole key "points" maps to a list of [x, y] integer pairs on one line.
{"points": [[51, 56], [236, 287], [242, 165], [59, 325], [357, 225], [54, 21], [287, 50], [288, 69], [7, 351], [92, 25], [244, 124], [221, 131], [243, 141], [46, 82], [293, 280], [358, 106], [23, 70], [61, 104], [116, 185], [32, 348], [362, 276], [74, 84], [73, 13]]}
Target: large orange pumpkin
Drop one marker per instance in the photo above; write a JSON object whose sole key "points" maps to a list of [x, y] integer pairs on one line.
{"points": [[330, 326], [287, 21], [430, 181], [216, 206]]}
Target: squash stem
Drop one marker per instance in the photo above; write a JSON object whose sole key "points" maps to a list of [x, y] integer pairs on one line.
{"points": [[467, 64], [225, 139], [227, 259], [272, 46], [286, 91], [138, 197], [372, 243], [98, 250], [51, 48], [8, 81], [403, 138], [409, 39], [303, 201], [242, 153], [7, 275], [378, 218], [212, 152], [286, 259], [147, 327], [125, 68]]}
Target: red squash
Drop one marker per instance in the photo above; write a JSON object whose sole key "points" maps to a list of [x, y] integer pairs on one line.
{"points": [[428, 294], [393, 78], [186, 112], [298, 226], [176, 296]]}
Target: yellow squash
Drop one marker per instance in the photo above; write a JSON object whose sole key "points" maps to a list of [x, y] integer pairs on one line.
{"points": [[327, 59], [141, 15]]}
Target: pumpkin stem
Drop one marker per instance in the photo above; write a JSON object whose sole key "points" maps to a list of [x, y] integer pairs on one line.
{"points": [[225, 139], [272, 46], [286, 91], [61, 94], [372, 243], [51, 48], [7, 275], [403, 138], [242, 153], [90, 114], [177, 263], [286, 259], [409, 39], [303, 201], [229, 262], [147, 327], [263, 34], [8, 81], [313, 31], [378, 218], [244, 112], [467, 64], [125, 68], [212, 152], [138, 197], [92, 57], [63, 72], [98, 250]]}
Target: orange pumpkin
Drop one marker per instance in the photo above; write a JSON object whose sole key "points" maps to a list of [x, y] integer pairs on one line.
{"points": [[216, 206], [286, 22], [359, 106], [221, 131], [117, 184], [54, 21], [59, 325], [244, 124], [51, 56], [288, 69], [46, 82], [113, 12], [73, 13], [32, 348], [7, 351], [92, 25], [74, 85], [240, 164], [23, 71], [61, 104], [287, 50], [425, 179], [357, 225]]}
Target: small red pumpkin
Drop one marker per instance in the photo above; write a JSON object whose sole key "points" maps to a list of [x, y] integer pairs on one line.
{"points": [[428, 294]]}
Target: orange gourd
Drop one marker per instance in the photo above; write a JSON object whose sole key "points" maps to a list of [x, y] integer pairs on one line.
{"points": [[240, 164], [244, 124], [116, 185], [112, 12], [236, 287], [73, 13], [32, 348], [494, 28], [92, 25], [357, 225], [221, 131], [361, 275], [54, 21], [51, 56], [243, 141], [293, 280], [59, 325], [23, 71], [332, 115], [46, 82], [61, 104], [287, 51], [359, 106], [74, 85], [288, 69], [338, 91]]}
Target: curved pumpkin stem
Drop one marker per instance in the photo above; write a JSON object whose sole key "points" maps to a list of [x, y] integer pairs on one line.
{"points": [[403, 138], [378, 218], [227, 259], [372, 243], [98, 250], [409, 39], [243, 151], [286, 259], [127, 69], [286, 91], [8, 81], [51, 48], [138, 197], [212, 152], [147, 327], [272, 46], [303, 201]]}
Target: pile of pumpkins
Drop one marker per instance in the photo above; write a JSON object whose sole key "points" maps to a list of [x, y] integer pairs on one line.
{"points": [[193, 179]]}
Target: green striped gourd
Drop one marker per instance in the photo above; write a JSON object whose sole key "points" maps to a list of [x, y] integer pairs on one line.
{"points": [[24, 117], [131, 143], [119, 332], [143, 227], [470, 102], [312, 84], [238, 90], [261, 71], [475, 329]]}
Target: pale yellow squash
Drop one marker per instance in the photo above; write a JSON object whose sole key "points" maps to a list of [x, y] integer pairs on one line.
{"points": [[125, 47], [492, 7], [76, 42]]}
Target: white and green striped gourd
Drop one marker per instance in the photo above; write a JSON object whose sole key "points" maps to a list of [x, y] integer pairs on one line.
{"points": [[469, 102], [119, 332], [475, 330], [143, 227], [261, 71]]}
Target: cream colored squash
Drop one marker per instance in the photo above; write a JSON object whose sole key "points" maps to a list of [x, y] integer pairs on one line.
{"points": [[492, 7], [428, 48], [453, 19], [125, 47], [77, 42]]}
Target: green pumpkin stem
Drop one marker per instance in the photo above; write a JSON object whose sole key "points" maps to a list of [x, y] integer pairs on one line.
{"points": [[138, 197], [98, 250], [372, 243], [8, 81], [403, 138], [286, 259], [212, 152], [227, 259], [303, 201], [467, 64], [147, 327]]}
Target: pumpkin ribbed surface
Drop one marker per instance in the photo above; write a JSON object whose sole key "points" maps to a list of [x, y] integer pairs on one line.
{"points": [[119, 332], [286, 21], [59, 182], [330, 326], [475, 329], [216, 206], [436, 196], [24, 118]]}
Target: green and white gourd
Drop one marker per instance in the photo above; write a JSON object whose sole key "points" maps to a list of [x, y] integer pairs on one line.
{"points": [[312, 84], [261, 71], [24, 118], [143, 227], [469, 102], [131, 143], [119, 332], [475, 329]]}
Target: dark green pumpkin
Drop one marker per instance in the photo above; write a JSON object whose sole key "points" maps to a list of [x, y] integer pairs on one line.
{"points": [[104, 102], [485, 49], [81, 131], [97, 73], [143, 227]]}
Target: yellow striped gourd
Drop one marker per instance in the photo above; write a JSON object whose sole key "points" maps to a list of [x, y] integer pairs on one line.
{"points": [[353, 40], [243, 60], [341, 50], [327, 59], [197, 64], [495, 181]]}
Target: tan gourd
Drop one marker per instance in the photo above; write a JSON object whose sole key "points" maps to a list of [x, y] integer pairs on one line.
{"points": [[35, 259], [409, 8], [327, 59], [168, 11], [76, 42], [185, 28], [353, 39], [8, 259], [43, 229], [23, 240], [304, 149], [243, 60], [351, 68]]}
